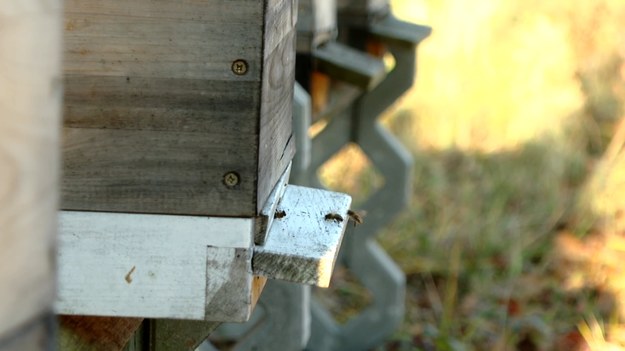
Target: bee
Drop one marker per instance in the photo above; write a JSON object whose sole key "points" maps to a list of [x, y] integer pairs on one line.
{"points": [[334, 217], [279, 214], [356, 216]]}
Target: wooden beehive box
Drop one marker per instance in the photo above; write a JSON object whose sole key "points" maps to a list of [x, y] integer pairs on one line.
{"points": [[176, 151], [177, 107]]}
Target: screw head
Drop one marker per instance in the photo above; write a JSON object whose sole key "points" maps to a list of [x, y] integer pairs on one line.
{"points": [[239, 67], [231, 179]]}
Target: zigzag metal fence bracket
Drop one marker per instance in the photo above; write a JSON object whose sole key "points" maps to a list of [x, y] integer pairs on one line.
{"points": [[361, 254]]}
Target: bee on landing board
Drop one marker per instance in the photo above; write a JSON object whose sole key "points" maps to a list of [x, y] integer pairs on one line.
{"points": [[355, 216], [334, 217]]}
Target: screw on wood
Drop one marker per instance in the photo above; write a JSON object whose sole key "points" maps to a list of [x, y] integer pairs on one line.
{"points": [[231, 179], [239, 67]]}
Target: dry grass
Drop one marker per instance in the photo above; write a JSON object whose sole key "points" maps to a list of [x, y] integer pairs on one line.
{"points": [[510, 125]]}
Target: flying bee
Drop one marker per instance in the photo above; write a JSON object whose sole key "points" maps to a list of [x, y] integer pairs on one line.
{"points": [[334, 217], [279, 214], [356, 216]]}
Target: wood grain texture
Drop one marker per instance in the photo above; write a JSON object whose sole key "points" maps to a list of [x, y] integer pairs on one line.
{"points": [[302, 246], [131, 265], [157, 172], [155, 117], [163, 39], [216, 107], [83, 333], [280, 20], [159, 74], [276, 144], [178, 335], [268, 213], [228, 284], [30, 102]]}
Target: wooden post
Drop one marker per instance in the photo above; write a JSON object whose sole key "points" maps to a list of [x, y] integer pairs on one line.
{"points": [[30, 101]]}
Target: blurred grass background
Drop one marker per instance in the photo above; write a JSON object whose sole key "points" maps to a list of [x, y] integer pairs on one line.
{"points": [[515, 239]]}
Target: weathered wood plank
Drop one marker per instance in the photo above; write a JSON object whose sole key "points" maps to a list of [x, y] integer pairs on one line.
{"points": [[228, 284], [208, 11], [30, 105], [83, 333], [276, 145], [302, 246], [157, 71], [268, 213], [220, 108], [162, 67], [178, 335], [280, 20], [154, 266], [173, 39], [157, 172]]}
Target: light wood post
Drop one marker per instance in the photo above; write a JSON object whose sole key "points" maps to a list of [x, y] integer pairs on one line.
{"points": [[30, 101]]}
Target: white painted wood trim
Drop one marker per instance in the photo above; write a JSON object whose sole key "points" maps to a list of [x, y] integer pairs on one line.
{"points": [[188, 267], [214, 231], [152, 266], [303, 245]]}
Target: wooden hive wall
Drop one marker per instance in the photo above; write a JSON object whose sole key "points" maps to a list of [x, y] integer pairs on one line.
{"points": [[155, 116]]}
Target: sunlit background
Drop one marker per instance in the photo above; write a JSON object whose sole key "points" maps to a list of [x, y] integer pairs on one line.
{"points": [[515, 239]]}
